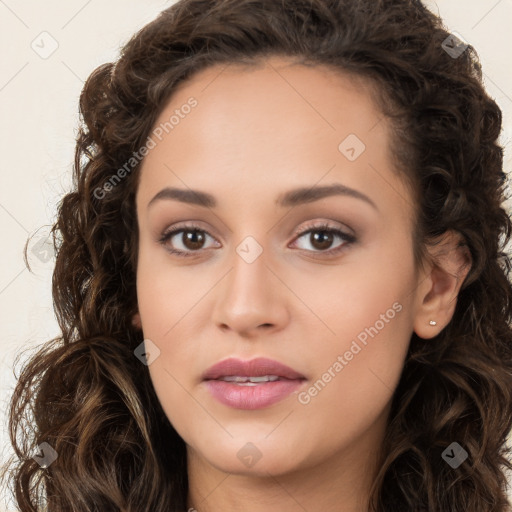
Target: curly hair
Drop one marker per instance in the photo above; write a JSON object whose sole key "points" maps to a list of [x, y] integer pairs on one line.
{"points": [[88, 397]]}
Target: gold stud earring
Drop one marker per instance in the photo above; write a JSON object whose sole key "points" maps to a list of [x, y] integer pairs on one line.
{"points": [[433, 322]]}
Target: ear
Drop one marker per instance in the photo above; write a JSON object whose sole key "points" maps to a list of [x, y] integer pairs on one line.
{"points": [[450, 262], [136, 321]]}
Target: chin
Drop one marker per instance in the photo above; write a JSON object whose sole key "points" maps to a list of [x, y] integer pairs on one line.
{"points": [[255, 458]]}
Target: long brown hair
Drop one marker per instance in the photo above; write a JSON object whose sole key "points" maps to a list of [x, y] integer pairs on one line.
{"points": [[87, 395]]}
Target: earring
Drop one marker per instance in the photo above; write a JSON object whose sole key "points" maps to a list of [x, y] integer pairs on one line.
{"points": [[433, 322]]}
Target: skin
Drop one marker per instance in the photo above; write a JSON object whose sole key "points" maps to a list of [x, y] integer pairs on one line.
{"points": [[255, 134]]}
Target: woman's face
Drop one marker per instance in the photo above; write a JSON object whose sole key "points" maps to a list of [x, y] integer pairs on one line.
{"points": [[338, 308]]}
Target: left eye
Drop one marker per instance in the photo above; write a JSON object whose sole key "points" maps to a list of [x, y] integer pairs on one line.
{"points": [[322, 236], [193, 238]]}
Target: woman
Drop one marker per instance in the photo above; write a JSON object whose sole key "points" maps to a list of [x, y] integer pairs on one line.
{"points": [[281, 276]]}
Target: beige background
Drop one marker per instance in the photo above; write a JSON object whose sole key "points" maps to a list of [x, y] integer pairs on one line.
{"points": [[39, 102]]}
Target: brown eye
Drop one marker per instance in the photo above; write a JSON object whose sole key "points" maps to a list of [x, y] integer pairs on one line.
{"points": [[192, 240], [322, 237], [321, 240]]}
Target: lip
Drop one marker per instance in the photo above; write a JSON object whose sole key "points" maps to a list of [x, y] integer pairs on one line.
{"points": [[255, 396], [253, 368]]}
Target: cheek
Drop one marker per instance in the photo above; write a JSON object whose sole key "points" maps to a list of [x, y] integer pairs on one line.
{"points": [[177, 403], [354, 382], [167, 294], [357, 366], [167, 300]]}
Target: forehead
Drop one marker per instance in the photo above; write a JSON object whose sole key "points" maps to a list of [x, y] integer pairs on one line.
{"points": [[238, 104], [317, 91], [267, 127]]}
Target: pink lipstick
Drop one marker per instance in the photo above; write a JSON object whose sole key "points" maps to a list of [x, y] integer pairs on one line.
{"points": [[252, 384]]}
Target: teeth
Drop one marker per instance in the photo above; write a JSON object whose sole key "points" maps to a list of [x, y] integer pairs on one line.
{"points": [[238, 379]]}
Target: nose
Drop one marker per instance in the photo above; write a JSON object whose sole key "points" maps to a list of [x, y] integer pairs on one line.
{"points": [[251, 299]]}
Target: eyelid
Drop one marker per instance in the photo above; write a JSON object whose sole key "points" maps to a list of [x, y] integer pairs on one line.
{"points": [[322, 225]]}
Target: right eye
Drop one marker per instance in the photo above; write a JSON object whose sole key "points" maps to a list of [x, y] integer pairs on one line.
{"points": [[194, 238]]}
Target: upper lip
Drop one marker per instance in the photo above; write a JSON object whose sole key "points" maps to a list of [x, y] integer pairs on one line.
{"points": [[253, 368]]}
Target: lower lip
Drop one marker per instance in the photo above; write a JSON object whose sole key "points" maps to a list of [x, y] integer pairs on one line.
{"points": [[252, 397]]}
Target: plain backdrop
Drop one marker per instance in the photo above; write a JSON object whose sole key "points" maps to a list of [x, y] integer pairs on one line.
{"points": [[39, 103]]}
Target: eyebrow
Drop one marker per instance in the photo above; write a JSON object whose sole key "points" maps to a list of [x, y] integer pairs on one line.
{"points": [[288, 199]]}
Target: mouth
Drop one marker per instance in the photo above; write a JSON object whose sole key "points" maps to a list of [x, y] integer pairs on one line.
{"points": [[250, 381], [253, 384]]}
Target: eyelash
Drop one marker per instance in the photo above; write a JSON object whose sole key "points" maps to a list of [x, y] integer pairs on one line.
{"points": [[349, 239]]}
